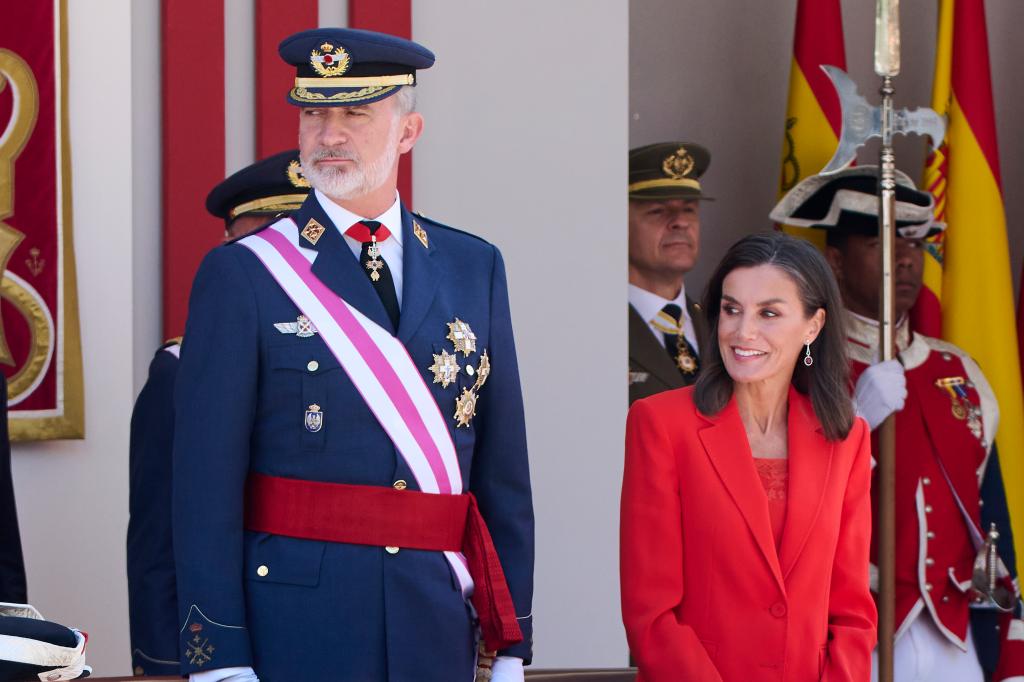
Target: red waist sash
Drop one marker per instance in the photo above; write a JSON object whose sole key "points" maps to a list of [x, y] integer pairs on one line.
{"points": [[374, 515]]}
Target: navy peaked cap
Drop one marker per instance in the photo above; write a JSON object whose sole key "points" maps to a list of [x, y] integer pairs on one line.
{"points": [[347, 66], [268, 187]]}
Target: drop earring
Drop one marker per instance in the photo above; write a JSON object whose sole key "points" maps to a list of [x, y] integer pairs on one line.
{"points": [[808, 360]]}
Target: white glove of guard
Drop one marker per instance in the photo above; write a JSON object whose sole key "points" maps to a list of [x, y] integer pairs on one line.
{"points": [[241, 674], [507, 669], [880, 391]]}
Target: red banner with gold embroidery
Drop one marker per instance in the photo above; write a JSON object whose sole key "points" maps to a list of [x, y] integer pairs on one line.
{"points": [[40, 347]]}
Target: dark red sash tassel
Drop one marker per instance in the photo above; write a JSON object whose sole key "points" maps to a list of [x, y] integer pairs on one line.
{"points": [[491, 597]]}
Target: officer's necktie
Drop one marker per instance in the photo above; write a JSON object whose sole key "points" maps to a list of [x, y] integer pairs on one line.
{"points": [[669, 321], [375, 267]]}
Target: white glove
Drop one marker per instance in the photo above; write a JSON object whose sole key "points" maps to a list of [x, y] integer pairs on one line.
{"points": [[880, 391], [507, 669], [242, 674]]}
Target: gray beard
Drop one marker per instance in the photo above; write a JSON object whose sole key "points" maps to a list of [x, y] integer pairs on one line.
{"points": [[355, 182]]}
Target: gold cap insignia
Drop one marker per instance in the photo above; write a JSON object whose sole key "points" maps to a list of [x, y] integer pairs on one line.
{"points": [[330, 61], [678, 164], [295, 175], [420, 233], [312, 231]]}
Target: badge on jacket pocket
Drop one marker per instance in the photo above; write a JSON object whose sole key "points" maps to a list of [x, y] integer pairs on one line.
{"points": [[314, 418]]}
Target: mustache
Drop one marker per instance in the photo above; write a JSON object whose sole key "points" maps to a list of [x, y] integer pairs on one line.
{"points": [[322, 153]]}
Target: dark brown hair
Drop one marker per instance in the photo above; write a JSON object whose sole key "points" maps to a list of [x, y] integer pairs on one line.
{"points": [[827, 381]]}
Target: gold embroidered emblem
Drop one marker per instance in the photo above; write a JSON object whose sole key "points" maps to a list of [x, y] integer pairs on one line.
{"points": [[678, 164], [295, 175], [420, 233], [312, 231], [465, 408], [199, 651], [462, 337], [34, 263], [445, 368], [328, 61]]}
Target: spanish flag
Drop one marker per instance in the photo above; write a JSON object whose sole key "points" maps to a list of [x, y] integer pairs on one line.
{"points": [[970, 275], [813, 117]]}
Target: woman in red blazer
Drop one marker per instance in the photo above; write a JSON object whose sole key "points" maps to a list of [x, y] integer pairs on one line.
{"points": [[746, 515]]}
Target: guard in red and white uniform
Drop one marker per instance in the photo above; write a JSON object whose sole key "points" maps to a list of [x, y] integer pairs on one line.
{"points": [[946, 421]]}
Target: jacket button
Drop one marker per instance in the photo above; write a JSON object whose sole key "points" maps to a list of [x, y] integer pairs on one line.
{"points": [[926, 480], [778, 609], [400, 485], [313, 365], [927, 509], [945, 599], [262, 571], [391, 550], [981, 503], [930, 535], [927, 587], [929, 561]]}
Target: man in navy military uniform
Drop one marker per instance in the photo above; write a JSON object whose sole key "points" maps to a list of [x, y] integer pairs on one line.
{"points": [[245, 201], [666, 326], [304, 537], [12, 567]]}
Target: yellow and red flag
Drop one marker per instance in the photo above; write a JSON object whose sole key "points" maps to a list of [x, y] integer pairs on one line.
{"points": [[813, 116], [969, 273]]}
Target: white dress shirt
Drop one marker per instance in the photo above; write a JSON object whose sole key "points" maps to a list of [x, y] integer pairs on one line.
{"points": [[649, 305], [390, 248]]}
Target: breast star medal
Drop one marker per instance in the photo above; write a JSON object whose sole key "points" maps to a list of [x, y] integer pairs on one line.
{"points": [[465, 408], [462, 337], [445, 368]]}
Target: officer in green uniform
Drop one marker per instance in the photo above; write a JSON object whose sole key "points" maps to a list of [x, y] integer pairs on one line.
{"points": [[666, 326]]}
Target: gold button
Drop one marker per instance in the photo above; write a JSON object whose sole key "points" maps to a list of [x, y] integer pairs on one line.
{"points": [[262, 571], [927, 509], [391, 550], [313, 365], [400, 485], [926, 480]]}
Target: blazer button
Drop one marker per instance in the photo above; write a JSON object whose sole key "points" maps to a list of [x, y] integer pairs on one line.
{"points": [[400, 485], [262, 571], [778, 609], [928, 561], [313, 365], [926, 480], [391, 550], [927, 509]]}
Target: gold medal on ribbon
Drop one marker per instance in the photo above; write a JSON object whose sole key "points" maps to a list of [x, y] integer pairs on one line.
{"points": [[465, 408]]}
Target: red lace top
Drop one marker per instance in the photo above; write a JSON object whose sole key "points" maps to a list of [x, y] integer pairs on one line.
{"points": [[774, 475]]}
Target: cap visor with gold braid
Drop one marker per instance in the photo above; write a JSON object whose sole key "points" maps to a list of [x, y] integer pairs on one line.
{"points": [[349, 67]]}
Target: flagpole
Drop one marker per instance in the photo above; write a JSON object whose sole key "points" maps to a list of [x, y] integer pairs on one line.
{"points": [[887, 65]]}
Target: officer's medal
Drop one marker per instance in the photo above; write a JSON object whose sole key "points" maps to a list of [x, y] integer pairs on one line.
{"points": [[374, 264], [684, 358], [960, 405]]}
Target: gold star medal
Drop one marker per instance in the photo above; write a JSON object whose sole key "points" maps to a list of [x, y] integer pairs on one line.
{"points": [[462, 337], [445, 368], [465, 408]]}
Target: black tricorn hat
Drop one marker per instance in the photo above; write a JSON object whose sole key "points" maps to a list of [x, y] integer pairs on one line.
{"points": [[847, 201]]}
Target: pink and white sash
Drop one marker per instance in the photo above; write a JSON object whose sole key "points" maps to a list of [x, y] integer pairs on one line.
{"points": [[376, 362]]}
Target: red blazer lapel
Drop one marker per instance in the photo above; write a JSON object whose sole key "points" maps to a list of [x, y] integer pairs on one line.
{"points": [[725, 442], [810, 459]]}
